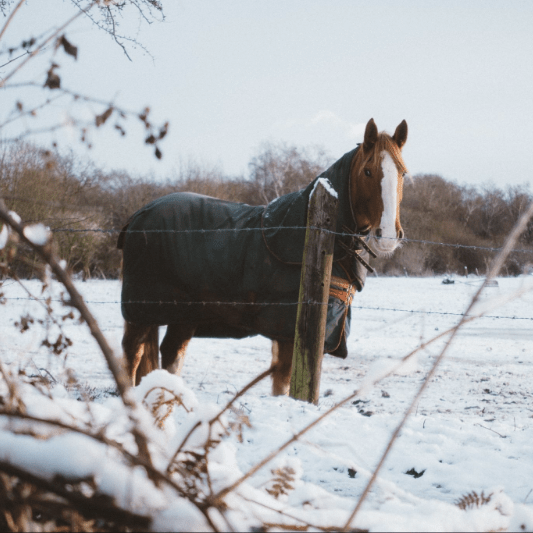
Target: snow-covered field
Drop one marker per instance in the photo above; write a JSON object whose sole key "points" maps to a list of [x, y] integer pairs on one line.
{"points": [[471, 431]]}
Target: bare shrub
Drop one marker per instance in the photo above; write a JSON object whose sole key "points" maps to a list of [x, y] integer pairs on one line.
{"points": [[85, 207], [458, 218]]}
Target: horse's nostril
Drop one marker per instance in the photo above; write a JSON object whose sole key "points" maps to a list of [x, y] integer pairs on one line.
{"points": [[401, 234], [379, 233]]}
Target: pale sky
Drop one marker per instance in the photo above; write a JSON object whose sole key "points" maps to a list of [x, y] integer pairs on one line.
{"points": [[229, 75]]}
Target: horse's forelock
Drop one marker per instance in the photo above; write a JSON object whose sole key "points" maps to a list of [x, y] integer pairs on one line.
{"points": [[384, 142]]}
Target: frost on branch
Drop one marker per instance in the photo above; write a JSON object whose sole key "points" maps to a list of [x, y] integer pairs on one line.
{"points": [[38, 234], [4, 235], [5, 230]]}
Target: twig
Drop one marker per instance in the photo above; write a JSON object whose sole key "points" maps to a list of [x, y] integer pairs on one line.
{"points": [[114, 32], [14, 59], [243, 391], [485, 427], [31, 111], [45, 42], [87, 506], [10, 18], [99, 437], [153, 473], [76, 301], [44, 370], [290, 527], [217, 417]]}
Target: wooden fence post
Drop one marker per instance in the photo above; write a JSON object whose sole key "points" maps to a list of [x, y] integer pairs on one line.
{"points": [[314, 287]]}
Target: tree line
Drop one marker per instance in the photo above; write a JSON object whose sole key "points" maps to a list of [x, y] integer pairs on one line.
{"points": [[66, 194]]}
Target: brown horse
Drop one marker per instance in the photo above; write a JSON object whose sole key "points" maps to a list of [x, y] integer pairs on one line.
{"points": [[209, 268]]}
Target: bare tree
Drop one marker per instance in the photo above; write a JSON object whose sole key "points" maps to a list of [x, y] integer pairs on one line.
{"points": [[280, 168]]}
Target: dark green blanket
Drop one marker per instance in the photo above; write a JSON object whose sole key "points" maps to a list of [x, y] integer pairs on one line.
{"points": [[237, 273]]}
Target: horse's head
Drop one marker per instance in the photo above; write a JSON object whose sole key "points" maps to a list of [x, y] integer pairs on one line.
{"points": [[376, 186]]}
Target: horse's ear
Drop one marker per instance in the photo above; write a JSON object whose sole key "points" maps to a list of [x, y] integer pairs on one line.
{"points": [[400, 135], [371, 135]]}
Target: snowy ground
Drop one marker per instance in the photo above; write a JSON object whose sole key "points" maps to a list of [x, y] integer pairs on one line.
{"points": [[472, 430]]}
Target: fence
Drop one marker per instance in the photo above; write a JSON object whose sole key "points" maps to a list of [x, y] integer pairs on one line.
{"points": [[341, 234], [315, 273]]}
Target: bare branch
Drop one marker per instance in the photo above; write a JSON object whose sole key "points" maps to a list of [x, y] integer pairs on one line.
{"points": [[10, 18], [15, 59], [45, 42], [87, 506], [243, 391]]}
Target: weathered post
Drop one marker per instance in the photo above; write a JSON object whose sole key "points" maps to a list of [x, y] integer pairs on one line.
{"points": [[314, 293]]}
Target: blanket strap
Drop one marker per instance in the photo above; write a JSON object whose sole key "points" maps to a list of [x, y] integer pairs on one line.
{"points": [[355, 254], [354, 251], [341, 289], [359, 239]]}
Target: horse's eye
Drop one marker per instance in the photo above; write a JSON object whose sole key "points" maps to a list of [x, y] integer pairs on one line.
{"points": [[368, 173]]}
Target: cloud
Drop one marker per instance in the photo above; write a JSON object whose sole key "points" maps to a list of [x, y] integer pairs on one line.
{"points": [[328, 123], [325, 117]]}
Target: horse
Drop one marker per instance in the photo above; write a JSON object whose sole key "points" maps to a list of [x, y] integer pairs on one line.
{"points": [[205, 267]]}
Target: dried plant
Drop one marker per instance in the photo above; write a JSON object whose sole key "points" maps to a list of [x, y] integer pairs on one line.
{"points": [[162, 403], [473, 499], [283, 481], [238, 423]]}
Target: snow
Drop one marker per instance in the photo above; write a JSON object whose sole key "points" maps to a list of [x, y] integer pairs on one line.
{"points": [[471, 431], [38, 234], [5, 229], [4, 234], [15, 216], [327, 185]]}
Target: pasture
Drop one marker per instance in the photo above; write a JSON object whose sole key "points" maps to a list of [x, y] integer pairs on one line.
{"points": [[472, 430]]}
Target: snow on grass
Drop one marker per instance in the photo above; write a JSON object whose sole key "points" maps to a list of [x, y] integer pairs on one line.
{"points": [[472, 430]]}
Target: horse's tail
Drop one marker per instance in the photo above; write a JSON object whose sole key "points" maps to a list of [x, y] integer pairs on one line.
{"points": [[150, 357], [120, 246]]}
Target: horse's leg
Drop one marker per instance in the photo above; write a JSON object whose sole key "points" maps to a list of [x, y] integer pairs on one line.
{"points": [[140, 345], [150, 359], [282, 363], [174, 346]]}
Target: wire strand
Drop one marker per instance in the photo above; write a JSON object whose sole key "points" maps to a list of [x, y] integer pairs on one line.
{"points": [[276, 228], [266, 304]]}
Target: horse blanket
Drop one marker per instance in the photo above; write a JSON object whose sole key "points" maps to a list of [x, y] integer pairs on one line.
{"points": [[232, 269]]}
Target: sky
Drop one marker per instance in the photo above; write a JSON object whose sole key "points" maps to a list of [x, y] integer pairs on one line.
{"points": [[230, 76]]}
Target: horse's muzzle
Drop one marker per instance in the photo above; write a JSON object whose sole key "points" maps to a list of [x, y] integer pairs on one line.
{"points": [[385, 245]]}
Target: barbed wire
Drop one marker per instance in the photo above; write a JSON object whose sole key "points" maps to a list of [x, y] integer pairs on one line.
{"points": [[275, 228], [266, 304]]}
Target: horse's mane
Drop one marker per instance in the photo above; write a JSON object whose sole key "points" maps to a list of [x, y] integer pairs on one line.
{"points": [[373, 158]]}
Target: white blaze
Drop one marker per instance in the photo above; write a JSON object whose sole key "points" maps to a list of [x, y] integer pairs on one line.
{"points": [[389, 195]]}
